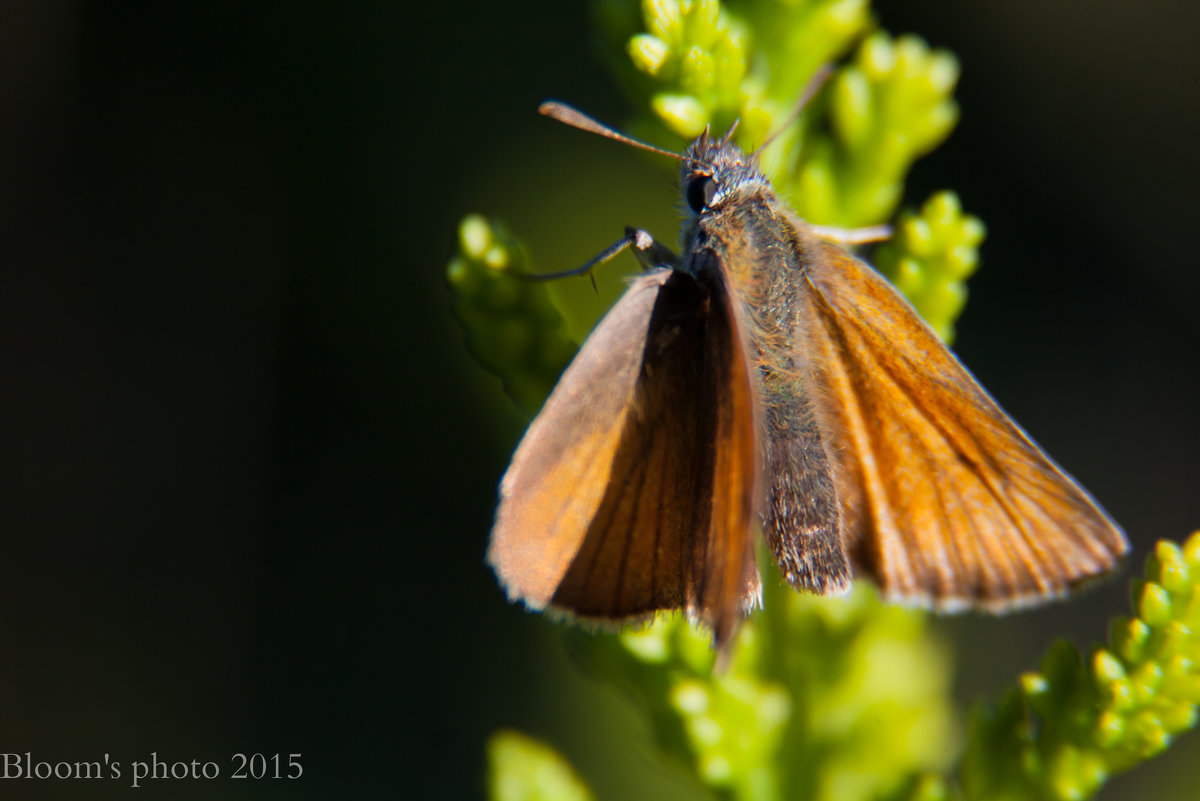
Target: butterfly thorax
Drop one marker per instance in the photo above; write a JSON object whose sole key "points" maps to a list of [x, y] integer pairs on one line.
{"points": [[743, 240], [746, 233]]}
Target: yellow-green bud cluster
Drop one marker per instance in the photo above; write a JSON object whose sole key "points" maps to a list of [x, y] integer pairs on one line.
{"points": [[930, 256], [891, 105], [697, 56], [1076, 722], [704, 62], [849, 678], [512, 328]]}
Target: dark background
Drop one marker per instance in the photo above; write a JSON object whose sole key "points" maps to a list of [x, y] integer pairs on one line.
{"points": [[248, 468]]}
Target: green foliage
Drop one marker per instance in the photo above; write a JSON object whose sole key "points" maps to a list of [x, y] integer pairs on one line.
{"points": [[891, 105], [523, 769], [930, 257], [825, 699], [702, 62], [707, 63], [513, 330], [1074, 723], [847, 699]]}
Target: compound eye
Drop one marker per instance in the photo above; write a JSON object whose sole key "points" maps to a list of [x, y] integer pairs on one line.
{"points": [[700, 192]]}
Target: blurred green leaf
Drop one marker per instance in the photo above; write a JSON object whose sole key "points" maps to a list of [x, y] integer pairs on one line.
{"points": [[523, 769]]}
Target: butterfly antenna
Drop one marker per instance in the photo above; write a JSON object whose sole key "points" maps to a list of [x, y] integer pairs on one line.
{"points": [[577, 119], [732, 130], [814, 85]]}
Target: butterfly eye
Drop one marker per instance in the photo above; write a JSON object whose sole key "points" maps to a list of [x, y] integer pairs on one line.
{"points": [[700, 192]]}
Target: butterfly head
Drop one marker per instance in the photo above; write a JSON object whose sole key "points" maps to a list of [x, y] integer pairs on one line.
{"points": [[716, 170]]}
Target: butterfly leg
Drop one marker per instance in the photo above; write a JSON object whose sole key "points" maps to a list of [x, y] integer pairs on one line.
{"points": [[649, 253]]}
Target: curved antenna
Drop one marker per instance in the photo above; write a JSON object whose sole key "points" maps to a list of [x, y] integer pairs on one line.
{"points": [[577, 119], [814, 85]]}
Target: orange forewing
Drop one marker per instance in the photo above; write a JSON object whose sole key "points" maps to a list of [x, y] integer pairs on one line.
{"points": [[946, 501], [633, 490]]}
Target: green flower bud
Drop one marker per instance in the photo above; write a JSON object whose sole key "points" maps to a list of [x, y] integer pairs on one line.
{"points": [[474, 236], [701, 22], [1154, 605], [663, 18], [1191, 551], [1074, 774], [697, 71], [851, 109], [1110, 729], [683, 114], [1169, 568], [1129, 638], [1106, 666], [648, 53], [1178, 718]]}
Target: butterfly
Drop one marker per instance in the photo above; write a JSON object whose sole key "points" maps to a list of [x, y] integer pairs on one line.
{"points": [[767, 379]]}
